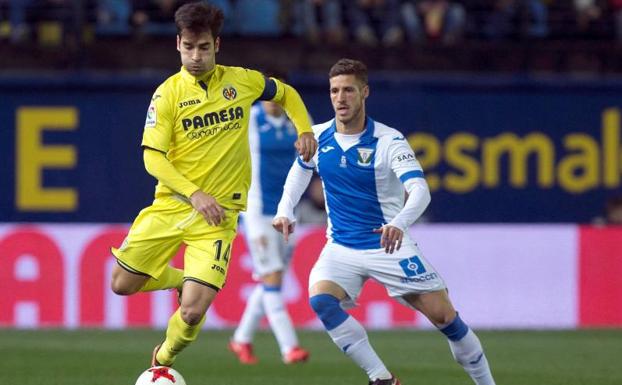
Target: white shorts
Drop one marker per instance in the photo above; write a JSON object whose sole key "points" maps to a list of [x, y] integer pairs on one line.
{"points": [[269, 251], [404, 272]]}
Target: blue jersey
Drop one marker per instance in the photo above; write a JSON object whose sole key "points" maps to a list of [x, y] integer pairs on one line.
{"points": [[272, 152], [363, 184]]}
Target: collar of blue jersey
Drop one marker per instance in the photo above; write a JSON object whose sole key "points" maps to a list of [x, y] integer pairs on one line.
{"points": [[368, 134], [195, 79]]}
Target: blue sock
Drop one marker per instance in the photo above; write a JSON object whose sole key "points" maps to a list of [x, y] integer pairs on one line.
{"points": [[468, 352], [329, 310], [348, 334], [456, 330]]}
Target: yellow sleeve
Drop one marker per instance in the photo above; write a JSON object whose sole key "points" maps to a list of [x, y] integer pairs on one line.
{"points": [[159, 122], [158, 166], [293, 105]]}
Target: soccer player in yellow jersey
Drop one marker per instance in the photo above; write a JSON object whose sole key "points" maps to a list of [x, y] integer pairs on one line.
{"points": [[196, 145]]}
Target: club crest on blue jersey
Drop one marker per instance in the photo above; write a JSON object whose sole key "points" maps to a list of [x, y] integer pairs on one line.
{"points": [[412, 266], [229, 92], [364, 158]]}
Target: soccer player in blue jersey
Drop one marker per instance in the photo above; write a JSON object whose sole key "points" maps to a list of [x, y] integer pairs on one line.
{"points": [[271, 136], [365, 167]]}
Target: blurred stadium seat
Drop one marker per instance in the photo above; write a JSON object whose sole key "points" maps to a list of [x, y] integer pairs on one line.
{"points": [[258, 18], [113, 17]]}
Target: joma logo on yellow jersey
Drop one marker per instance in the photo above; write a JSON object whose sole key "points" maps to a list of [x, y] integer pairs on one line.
{"points": [[187, 103], [212, 118]]}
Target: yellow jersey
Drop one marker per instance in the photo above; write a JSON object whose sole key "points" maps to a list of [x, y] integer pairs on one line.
{"points": [[201, 124]]}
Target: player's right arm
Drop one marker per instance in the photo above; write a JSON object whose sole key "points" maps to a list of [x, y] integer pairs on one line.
{"points": [[297, 181], [160, 168], [157, 138]]}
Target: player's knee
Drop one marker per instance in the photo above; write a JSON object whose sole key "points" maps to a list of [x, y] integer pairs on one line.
{"points": [[119, 288], [328, 310], [125, 283], [444, 318], [190, 315], [274, 278]]}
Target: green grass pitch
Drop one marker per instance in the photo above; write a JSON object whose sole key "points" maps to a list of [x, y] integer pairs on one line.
{"points": [[95, 357]]}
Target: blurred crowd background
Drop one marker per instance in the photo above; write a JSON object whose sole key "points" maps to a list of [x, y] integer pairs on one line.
{"points": [[541, 35]]}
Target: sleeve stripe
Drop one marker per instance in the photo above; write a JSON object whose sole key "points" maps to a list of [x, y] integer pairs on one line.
{"points": [[145, 147], [300, 162], [269, 90], [411, 174]]}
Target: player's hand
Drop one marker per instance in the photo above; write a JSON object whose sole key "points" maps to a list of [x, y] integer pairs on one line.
{"points": [[208, 207], [283, 226], [306, 145], [391, 238]]}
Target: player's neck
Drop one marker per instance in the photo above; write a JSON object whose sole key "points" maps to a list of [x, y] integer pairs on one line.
{"points": [[205, 75], [355, 126]]}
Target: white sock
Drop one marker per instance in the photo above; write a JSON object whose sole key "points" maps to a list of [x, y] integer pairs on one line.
{"points": [[279, 320], [352, 339], [253, 313], [469, 353]]}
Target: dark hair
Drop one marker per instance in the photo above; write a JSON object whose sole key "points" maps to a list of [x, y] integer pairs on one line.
{"points": [[349, 67], [199, 17]]}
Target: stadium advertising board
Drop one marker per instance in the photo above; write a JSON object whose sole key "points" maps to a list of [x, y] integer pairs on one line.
{"points": [[71, 148], [501, 276]]}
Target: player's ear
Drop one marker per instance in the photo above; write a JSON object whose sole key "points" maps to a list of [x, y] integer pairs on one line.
{"points": [[366, 91], [178, 43], [217, 44]]}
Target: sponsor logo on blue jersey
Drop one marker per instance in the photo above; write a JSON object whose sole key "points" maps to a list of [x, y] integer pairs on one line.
{"points": [[412, 266], [405, 157], [415, 271]]}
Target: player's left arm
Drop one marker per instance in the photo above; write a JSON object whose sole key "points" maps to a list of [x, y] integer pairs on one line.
{"points": [[292, 103], [405, 165]]}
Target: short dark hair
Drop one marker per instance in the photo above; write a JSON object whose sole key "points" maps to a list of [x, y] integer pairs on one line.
{"points": [[199, 17], [349, 67]]}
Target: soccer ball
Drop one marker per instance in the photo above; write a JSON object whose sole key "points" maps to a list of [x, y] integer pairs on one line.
{"points": [[160, 375]]}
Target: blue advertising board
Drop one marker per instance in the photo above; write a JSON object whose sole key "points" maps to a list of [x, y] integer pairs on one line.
{"points": [[499, 149]]}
